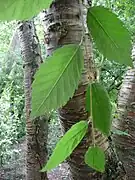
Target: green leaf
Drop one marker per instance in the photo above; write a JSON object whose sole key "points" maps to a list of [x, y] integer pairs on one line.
{"points": [[101, 107], [21, 9], [95, 158], [121, 133], [66, 145], [112, 39], [57, 79]]}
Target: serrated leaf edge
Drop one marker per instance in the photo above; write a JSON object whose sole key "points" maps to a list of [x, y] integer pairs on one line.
{"points": [[78, 46], [86, 126]]}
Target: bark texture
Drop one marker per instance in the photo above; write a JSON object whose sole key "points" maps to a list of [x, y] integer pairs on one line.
{"points": [[36, 130], [63, 25], [125, 145]]}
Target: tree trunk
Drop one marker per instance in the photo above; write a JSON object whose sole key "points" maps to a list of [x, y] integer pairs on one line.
{"points": [[36, 130], [63, 25], [125, 145]]}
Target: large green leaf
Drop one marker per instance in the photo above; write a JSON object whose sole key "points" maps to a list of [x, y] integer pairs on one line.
{"points": [[95, 158], [21, 9], [111, 37], [66, 145], [101, 107], [57, 79]]}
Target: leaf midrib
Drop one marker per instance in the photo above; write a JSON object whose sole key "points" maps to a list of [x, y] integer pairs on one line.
{"points": [[59, 78], [81, 130], [100, 24]]}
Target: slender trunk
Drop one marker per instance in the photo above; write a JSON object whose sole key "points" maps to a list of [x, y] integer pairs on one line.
{"points": [[36, 130], [63, 25], [125, 145]]}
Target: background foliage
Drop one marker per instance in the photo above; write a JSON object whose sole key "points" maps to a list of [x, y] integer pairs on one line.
{"points": [[12, 124]]}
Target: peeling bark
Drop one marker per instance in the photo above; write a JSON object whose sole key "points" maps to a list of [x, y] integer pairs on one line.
{"points": [[36, 130], [125, 145]]}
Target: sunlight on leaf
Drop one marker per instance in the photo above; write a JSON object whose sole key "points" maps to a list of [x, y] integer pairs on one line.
{"points": [[66, 145]]}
